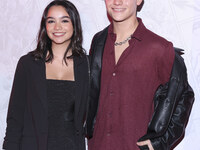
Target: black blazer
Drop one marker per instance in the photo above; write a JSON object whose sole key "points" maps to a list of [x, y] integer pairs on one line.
{"points": [[27, 122]]}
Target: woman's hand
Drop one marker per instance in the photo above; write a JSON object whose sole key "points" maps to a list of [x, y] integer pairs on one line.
{"points": [[147, 142]]}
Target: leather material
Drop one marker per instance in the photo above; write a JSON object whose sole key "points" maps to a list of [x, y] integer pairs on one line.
{"points": [[96, 59]]}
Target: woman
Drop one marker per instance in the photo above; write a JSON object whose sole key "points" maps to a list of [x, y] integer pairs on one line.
{"points": [[49, 95]]}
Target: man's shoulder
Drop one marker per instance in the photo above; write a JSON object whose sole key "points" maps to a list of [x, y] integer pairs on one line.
{"points": [[149, 37], [101, 34], [154, 38], [156, 44], [99, 39]]}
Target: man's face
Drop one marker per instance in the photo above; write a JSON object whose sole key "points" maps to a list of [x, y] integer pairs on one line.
{"points": [[122, 10]]}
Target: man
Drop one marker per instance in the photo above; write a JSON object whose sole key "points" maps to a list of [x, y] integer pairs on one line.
{"points": [[128, 64]]}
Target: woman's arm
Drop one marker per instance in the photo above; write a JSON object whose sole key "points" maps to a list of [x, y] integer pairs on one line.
{"points": [[16, 107]]}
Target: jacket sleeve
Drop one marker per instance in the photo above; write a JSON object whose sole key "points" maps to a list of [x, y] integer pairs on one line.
{"points": [[91, 108], [176, 127], [16, 110], [96, 54], [173, 103]]}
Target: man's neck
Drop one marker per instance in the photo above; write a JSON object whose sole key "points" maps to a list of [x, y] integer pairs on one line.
{"points": [[125, 28]]}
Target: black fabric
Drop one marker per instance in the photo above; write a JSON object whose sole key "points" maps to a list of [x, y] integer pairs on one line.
{"points": [[61, 101], [145, 147], [96, 53]]}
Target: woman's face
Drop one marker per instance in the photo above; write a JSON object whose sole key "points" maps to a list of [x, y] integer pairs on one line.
{"points": [[59, 26]]}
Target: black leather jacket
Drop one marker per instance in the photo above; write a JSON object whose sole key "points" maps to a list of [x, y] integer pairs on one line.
{"points": [[173, 101]]}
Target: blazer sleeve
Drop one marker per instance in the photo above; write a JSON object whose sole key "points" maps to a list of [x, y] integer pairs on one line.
{"points": [[16, 107]]}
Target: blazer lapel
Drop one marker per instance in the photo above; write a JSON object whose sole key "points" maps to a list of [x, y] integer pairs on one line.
{"points": [[78, 83], [40, 82]]}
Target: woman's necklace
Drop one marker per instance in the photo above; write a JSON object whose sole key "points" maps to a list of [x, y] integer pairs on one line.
{"points": [[123, 42]]}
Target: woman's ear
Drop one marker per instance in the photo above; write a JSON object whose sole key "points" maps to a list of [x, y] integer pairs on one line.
{"points": [[139, 2]]}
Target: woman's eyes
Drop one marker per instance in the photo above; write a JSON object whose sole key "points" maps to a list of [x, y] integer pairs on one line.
{"points": [[50, 21], [63, 21]]}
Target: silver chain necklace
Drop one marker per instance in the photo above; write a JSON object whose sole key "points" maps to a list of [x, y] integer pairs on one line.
{"points": [[123, 42]]}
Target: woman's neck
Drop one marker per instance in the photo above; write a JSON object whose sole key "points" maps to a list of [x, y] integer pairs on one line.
{"points": [[59, 51]]}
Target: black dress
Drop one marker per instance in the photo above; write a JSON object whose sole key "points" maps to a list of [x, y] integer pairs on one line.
{"points": [[61, 102]]}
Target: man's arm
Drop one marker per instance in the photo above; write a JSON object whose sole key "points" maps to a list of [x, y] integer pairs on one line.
{"points": [[173, 103]]}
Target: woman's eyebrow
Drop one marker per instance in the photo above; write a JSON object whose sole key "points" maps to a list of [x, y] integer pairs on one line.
{"points": [[60, 17]]}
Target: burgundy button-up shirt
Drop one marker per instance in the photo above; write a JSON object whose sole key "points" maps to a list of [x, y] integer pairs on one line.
{"points": [[128, 87]]}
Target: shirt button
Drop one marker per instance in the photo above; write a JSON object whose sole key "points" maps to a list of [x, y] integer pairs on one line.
{"points": [[108, 134], [114, 74]]}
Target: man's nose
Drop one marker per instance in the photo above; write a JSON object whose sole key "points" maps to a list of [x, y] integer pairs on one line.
{"points": [[118, 2]]}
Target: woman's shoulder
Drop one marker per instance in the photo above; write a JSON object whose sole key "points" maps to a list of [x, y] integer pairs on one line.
{"points": [[28, 60], [24, 59], [82, 61], [82, 57]]}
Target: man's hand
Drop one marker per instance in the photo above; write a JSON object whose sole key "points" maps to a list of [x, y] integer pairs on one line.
{"points": [[147, 142]]}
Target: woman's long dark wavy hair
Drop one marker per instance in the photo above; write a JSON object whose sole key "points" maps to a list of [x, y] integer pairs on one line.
{"points": [[44, 43]]}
